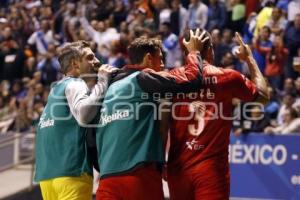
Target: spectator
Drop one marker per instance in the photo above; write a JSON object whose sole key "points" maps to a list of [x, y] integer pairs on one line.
{"points": [[171, 47], [227, 41], [275, 60], [249, 27], [238, 15], [34, 16], [262, 41], [287, 103], [49, 66], [101, 10], [42, 38], [22, 120], [291, 124], [11, 56], [262, 17], [165, 12], [216, 15], [257, 121], [37, 77], [272, 107], [141, 21], [293, 10], [283, 5], [292, 43], [46, 12], [20, 23], [29, 67], [17, 90], [116, 58], [119, 14], [197, 14], [288, 87], [276, 23], [219, 48], [227, 61], [99, 33], [178, 18]]}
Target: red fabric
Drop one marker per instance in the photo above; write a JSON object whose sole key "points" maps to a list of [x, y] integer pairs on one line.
{"points": [[251, 6], [190, 71], [143, 183], [211, 132], [209, 181], [275, 68]]}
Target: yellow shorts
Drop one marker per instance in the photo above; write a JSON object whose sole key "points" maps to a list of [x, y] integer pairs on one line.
{"points": [[68, 188]]}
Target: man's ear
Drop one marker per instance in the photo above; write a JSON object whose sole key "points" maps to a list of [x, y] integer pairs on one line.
{"points": [[147, 60], [75, 64]]}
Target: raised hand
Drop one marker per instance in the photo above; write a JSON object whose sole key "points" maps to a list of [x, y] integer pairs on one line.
{"points": [[244, 51], [196, 41]]}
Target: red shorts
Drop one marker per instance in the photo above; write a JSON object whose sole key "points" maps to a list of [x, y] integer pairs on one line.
{"points": [[210, 181], [144, 183]]}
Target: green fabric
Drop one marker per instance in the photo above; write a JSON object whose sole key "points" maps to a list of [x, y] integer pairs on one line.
{"points": [[128, 134], [238, 12], [60, 141]]}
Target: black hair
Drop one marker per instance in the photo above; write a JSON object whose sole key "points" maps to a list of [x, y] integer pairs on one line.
{"points": [[208, 43]]}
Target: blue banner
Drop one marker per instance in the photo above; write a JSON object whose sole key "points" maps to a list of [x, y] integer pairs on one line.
{"points": [[265, 167]]}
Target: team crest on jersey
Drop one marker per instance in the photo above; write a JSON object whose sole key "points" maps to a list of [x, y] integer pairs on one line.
{"points": [[194, 145]]}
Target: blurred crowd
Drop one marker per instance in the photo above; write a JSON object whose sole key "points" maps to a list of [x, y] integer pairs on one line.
{"points": [[33, 31]]}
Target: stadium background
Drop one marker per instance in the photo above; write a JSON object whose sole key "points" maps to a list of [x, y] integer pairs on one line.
{"points": [[31, 33]]}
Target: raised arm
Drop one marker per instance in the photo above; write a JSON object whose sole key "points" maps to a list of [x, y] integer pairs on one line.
{"points": [[183, 79], [245, 54], [186, 79], [86, 25]]}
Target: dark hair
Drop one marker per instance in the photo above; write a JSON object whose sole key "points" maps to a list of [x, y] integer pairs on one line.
{"points": [[69, 52], [141, 46], [208, 43], [267, 28]]}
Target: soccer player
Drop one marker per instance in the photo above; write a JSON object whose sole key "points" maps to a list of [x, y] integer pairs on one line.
{"points": [[198, 165], [129, 145], [61, 163]]}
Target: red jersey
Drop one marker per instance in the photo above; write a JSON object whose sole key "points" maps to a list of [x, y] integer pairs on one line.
{"points": [[202, 121]]}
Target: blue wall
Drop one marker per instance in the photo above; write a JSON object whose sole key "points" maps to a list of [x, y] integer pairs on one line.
{"points": [[265, 166]]}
